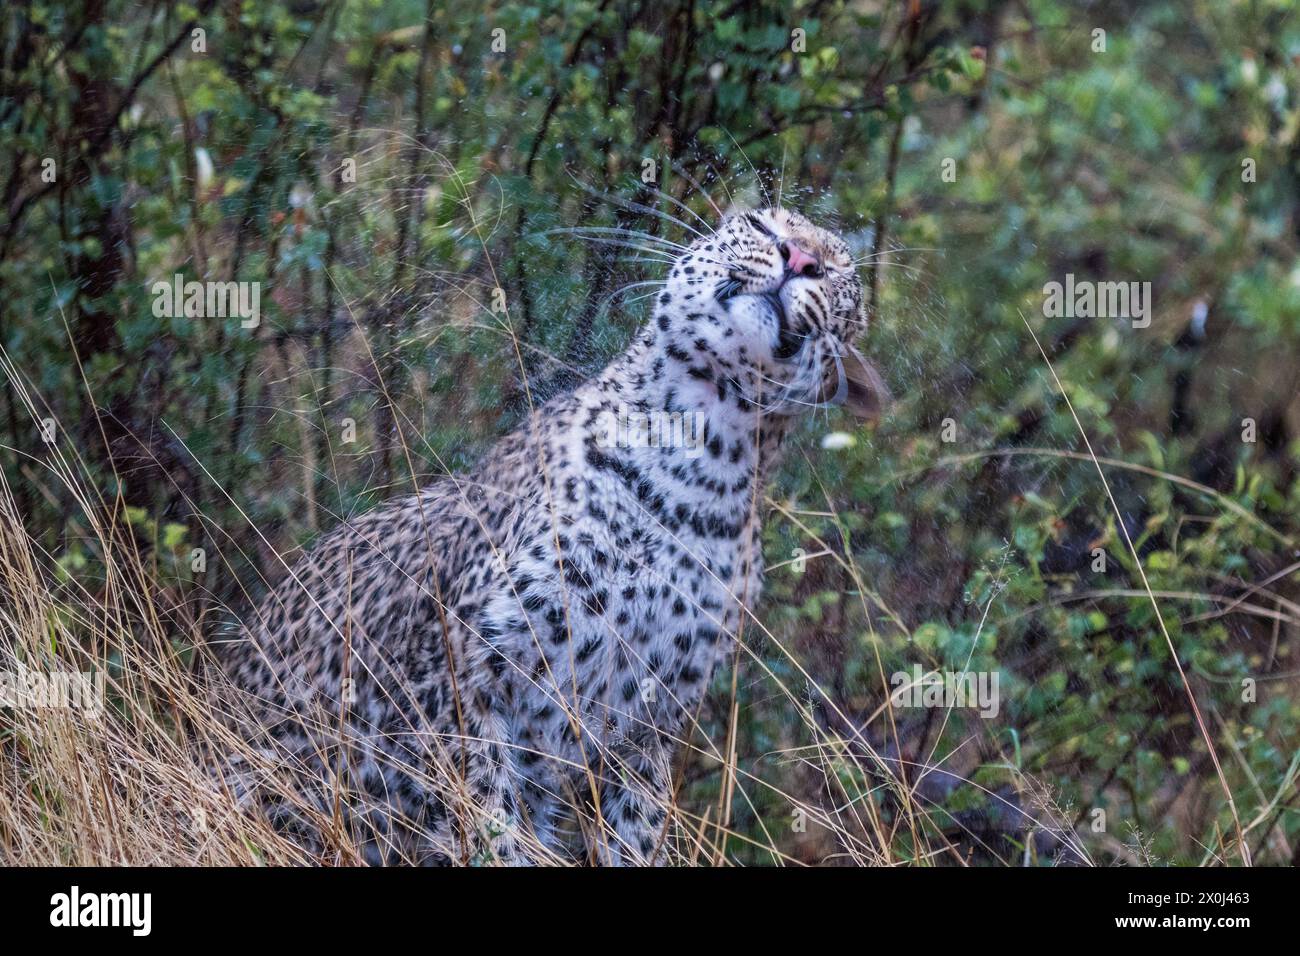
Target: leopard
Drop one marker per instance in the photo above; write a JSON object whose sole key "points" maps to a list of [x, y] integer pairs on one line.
{"points": [[459, 674]]}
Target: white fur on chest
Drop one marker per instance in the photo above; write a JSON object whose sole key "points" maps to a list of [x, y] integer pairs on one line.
{"points": [[649, 579]]}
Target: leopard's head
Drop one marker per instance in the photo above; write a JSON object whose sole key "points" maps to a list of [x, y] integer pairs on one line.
{"points": [[773, 301]]}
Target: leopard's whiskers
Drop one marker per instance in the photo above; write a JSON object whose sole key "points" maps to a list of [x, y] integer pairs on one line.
{"points": [[589, 231], [630, 206], [687, 209]]}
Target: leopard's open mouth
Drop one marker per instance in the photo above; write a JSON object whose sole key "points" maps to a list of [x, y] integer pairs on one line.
{"points": [[789, 342]]}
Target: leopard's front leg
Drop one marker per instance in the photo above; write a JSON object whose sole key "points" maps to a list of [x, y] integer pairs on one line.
{"points": [[634, 802], [519, 785], [489, 820]]}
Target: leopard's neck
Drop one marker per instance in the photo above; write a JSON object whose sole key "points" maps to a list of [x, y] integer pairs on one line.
{"points": [[726, 445]]}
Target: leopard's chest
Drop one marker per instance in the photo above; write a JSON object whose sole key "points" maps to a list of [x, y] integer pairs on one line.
{"points": [[634, 599]]}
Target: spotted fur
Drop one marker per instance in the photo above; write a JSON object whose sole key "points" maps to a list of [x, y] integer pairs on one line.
{"points": [[456, 674]]}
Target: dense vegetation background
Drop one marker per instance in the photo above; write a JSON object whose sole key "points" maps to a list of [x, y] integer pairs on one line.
{"points": [[381, 167]]}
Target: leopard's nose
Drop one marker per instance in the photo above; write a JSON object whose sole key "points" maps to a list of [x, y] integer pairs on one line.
{"points": [[800, 262]]}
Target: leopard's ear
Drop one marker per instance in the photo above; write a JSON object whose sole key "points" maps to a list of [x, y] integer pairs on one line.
{"points": [[867, 395]]}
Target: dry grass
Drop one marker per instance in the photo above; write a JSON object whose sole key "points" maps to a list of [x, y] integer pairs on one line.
{"points": [[135, 783], [132, 784]]}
